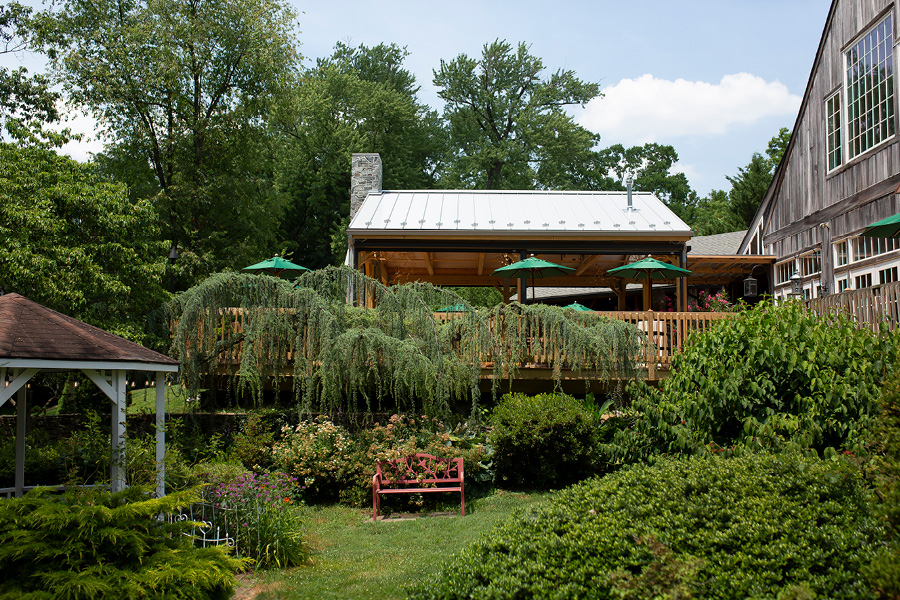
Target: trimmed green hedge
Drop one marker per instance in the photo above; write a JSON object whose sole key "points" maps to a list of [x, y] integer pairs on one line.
{"points": [[761, 526], [542, 442]]}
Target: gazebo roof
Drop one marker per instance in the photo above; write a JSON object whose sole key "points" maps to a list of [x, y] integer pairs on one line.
{"points": [[29, 331]]}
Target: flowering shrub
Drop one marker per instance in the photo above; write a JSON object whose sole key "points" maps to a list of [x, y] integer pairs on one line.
{"points": [[333, 465], [259, 513], [404, 436], [317, 453], [717, 302]]}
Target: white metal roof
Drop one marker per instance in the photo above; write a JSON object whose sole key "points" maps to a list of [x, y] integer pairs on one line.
{"points": [[457, 211]]}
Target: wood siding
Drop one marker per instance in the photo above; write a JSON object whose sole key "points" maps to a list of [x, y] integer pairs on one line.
{"points": [[812, 207]]}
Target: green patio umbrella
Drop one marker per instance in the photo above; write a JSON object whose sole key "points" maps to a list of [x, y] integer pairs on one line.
{"points": [[885, 228], [276, 266], [578, 307], [649, 268], [532, 267], [454, 308]]}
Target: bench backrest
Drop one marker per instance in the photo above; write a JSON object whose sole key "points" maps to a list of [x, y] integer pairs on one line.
{"points": [[419, 468]]}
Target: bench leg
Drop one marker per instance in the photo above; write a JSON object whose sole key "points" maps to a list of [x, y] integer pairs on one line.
{"points": [[375, 504], [462, 499]]}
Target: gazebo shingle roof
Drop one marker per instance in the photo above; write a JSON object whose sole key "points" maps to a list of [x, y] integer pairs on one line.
{"points": [[31, 331]]}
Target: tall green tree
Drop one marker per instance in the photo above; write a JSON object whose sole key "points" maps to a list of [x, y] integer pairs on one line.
{"points": [[713, 215], [185, 85], [748, 188], [358, 100], [651, 167], [24, 99], [75, 243], [777, 146], [508, 125]]}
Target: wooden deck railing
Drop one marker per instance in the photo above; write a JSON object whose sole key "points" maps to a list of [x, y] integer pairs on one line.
{"points": [[667, 333], [868, 306]]}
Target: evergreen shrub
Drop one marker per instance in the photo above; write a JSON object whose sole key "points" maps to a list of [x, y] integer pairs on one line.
{"points": [[541, 442], [760, 526], [97, 545], [774, 377], [250, 446]]}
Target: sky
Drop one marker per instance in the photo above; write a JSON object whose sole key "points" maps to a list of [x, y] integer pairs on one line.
{"points": [[715, 79]]}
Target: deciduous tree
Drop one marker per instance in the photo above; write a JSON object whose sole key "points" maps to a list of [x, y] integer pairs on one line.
{"points": [[186, 85], [508, 126], [76, 243], [358, 100], [24, 98]]}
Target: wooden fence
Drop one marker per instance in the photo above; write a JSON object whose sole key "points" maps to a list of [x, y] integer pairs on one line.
{"points": [[869, 306], [667, 333]]}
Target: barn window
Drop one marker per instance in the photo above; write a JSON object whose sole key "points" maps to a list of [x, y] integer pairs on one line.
{"points": [[833, 114], [869, 85]]}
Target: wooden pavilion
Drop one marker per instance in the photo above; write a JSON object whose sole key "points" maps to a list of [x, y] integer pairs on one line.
{"points": [[459, 237], [34, 338]]}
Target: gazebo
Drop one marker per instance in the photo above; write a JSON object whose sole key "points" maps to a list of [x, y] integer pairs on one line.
{"points": [[34, 338]]}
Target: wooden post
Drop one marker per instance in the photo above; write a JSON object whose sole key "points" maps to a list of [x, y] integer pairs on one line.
{"points": [[679, 284], [620, 294], [647, 294], [160, 434], [117, 437], [21, 416]]}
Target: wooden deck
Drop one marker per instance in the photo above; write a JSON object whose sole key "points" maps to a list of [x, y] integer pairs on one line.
{"points": [[667, 333]]}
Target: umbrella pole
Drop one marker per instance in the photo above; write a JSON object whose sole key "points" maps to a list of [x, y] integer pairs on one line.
{"points": [[533, 297]]}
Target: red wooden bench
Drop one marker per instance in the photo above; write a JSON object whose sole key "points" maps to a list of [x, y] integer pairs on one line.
{"points": [[409, 475]]}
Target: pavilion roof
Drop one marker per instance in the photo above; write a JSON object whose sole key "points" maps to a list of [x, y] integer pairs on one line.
{"points": [[29, 330], [515, 212]]}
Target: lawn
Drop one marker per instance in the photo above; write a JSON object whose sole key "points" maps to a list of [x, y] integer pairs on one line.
{"points": [[353, 558], [143, 401]]}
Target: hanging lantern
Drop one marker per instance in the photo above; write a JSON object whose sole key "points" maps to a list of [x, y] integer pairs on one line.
{"points": [[796, 284], [750, 289]]}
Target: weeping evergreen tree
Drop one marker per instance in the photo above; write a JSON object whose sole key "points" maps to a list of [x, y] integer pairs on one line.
{"points": [[351, 343]]}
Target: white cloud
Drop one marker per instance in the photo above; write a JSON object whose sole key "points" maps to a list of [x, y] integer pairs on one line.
{"points": [[647, 109], [690, 171]]}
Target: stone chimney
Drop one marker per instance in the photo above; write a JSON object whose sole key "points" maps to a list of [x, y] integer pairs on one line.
{"points": [[365, 177]]}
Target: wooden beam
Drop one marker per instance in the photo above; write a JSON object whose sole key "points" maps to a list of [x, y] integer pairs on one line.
{"points": [[586, 264], [429, 262], [828, 213], [647, 294], [480, 263]]}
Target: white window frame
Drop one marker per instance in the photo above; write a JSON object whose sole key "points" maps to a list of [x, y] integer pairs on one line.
{"points": [[871, 100], [834, 148]]}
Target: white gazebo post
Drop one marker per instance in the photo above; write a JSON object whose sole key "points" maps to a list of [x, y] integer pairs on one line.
{"points": [[117, 456], [160, 434], [31, 336], [21, 417]]}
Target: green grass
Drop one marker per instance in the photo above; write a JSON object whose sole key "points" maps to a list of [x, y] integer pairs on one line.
{"points": [[144, 401], [353, 558]]}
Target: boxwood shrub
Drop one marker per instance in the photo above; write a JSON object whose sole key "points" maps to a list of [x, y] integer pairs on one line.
{"points": [[761, 526], [541, 442]]}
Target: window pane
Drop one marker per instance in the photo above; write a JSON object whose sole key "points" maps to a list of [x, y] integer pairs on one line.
{"points": [[870, 90]]}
